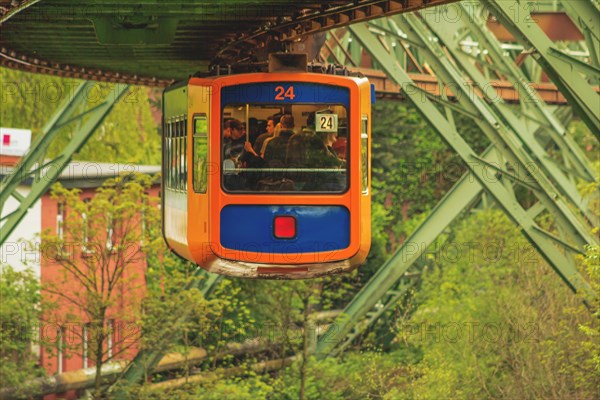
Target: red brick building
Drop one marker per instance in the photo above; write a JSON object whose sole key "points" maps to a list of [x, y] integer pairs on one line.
{"points": [[65, 329]]}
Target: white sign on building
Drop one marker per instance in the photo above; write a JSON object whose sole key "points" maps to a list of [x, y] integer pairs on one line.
{"points": [[14, 142]]}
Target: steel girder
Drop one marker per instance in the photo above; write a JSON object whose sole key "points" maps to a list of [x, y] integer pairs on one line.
{"points": [[533, 106], [361, 312], [500, 132], [43, 173], [384, 286], [586, 16], [542, 240], [503, 129], [564, 70], [523, 121]]}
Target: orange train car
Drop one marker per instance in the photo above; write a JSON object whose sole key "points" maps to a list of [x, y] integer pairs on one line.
{"points": [[267, 175]]}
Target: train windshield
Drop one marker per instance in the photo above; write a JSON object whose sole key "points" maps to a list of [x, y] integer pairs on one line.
{"points": [[291, 148]]}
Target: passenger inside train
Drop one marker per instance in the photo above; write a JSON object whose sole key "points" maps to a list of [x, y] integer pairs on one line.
{"points": [[288, 156]]}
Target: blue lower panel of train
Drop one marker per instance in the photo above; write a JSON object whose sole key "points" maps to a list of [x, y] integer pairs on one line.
{"points": [[285, 229]]}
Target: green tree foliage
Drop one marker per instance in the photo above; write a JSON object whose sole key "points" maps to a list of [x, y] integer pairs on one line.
{"points": [[20, 308], [99, 260], [494, 321], [412, 169], [128, 135]]}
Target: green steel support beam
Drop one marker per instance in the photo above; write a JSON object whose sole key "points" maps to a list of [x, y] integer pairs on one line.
{"points": [[586, 16], [515, 16], [530, 102], [35, 156], [501, 133], [561, 262], [387, 301], [464, 193], [341, 49], [381, 288], [89, 120], [523, 128], [146, 360]]}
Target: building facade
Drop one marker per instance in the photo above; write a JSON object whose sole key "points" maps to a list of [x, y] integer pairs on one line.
{"points": [[65, 330]]}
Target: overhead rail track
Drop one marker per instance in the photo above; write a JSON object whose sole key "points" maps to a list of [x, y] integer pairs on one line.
{"points": [[37, 35], [120, 42]]}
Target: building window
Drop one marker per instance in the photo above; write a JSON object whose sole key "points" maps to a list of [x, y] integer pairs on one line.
{"points": [[109, 233], [86, 230], [60, 339], [110, 330], [60, 219], [85, 337]]}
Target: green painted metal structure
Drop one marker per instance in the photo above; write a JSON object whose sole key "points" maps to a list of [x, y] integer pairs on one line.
{"points": [[532, 107], [520, 136], [524, 121], [567, 72], [148, 42], [77, 114]]}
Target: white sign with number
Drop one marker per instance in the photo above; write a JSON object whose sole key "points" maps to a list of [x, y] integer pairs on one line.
{"points": [[326, 122]]}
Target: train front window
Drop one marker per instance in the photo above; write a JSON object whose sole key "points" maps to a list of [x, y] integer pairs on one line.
{"points": [[291, 148]]}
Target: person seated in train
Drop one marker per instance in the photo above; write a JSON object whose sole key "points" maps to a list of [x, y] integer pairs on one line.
{"points": [[227, 129], [232, 148], [276, 150], [269, 129], [240, 151], [340, 147], [322, 156], [252, 129], [298, 149]]}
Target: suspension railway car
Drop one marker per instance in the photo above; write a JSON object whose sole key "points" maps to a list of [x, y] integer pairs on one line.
{"points": [[298, 206]]}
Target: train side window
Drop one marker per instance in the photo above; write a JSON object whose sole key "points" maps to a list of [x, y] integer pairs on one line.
{"points": [[364, 153], [184, 164], [200, 150], [168, 153], [178, 161], [173, 165], [165, 149], [181, 159], [175, 154]]}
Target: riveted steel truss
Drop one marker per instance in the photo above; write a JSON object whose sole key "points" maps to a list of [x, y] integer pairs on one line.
{"points": [[76, 113], [389, 282], [570, 74], [520, 137]]}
